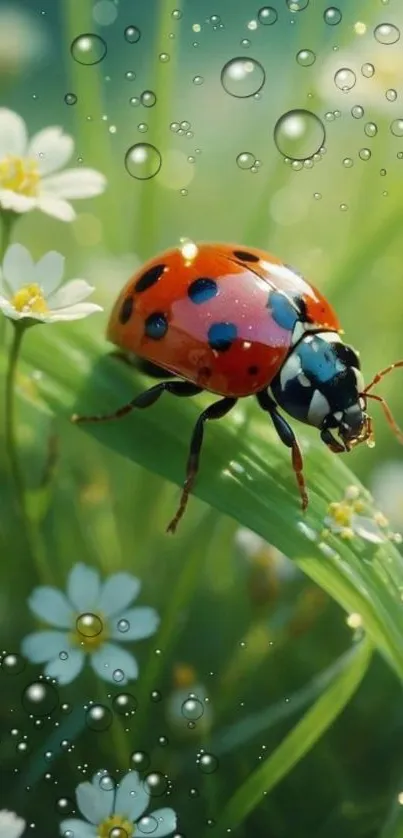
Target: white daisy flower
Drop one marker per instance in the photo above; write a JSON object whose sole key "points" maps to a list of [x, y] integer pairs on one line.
{"points": [[32, 291], [30, 176], [85, 621], [11, 826], [106, 808]]}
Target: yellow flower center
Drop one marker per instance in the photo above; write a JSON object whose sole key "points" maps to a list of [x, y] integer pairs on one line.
{"points": [[19, 175], [117, 826], [91, 632], [30, 298], [341, 513]]}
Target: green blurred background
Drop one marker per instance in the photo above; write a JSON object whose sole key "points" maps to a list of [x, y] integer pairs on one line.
{"points": [[253, 631]]}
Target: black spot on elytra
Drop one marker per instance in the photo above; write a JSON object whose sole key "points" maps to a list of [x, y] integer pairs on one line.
{"points": [[253, 370], [222, 335], [149, 278], [156, 326], [245, 256], [126, 310], [202, 289]]}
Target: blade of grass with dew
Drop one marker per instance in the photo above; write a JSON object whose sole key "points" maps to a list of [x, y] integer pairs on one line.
{"points": [[299, 741], [248, 477]]}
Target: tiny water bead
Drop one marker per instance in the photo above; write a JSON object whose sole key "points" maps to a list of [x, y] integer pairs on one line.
{"points": [[98, 717], [252, 25], [245, 160], [207, 763], [140, 760], [267, 15], [348, 162], [88, 49], [345, 79], [192, 708], [89, 625], [142, 127], [134, 101], [332, 16], [106, 783], [368, 70], [371, 129], [305, 57], [118, 676], [245, 43], [297, 5], [391, 94], [12, 664], [147, 825], [164, 57], [143, 161], [123, 626], [299, 134], [40, 699], [70, 98], [125, 704], [387, 33], [148, 98], [176, 14], [364, 153], [198, 80], [130, 75], [242, 77], [357, 112], [156, 784], [132, 34], [396, 127]]}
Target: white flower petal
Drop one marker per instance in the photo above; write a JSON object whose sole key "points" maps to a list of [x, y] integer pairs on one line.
{"points": [[75, 183], [132, 798], [18, 203], [43, 646], [51, 605], [166, 819], [49, 271], [51, 148], [18, 267], [13, 133], [55, 206], [76, 312], [368, 529], [71, 292], [78, 828], [65, 670], [83, 587], [143, 622], [110, 658], [11, 826], [94, 803], [9, 310], [118, 591]]}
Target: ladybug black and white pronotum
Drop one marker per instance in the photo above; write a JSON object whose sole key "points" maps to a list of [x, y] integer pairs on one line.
{"points": [[238, 322]]}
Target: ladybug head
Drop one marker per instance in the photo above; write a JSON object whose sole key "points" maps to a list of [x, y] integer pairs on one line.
{"points": [[320, 383]]}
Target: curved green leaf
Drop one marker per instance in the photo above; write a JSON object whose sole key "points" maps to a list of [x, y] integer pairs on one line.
{"points": [[245, 472]]}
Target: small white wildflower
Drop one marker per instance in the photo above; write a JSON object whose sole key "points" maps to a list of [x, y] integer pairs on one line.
{"points": [[85, 621], [34, 291], [11, 826], [30, 176], [106, 809]]}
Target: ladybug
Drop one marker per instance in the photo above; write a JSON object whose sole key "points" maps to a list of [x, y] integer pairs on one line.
{"points": [[238, 322]]}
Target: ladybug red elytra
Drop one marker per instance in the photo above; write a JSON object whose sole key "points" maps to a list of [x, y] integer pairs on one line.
{"points": [[237, 322]]}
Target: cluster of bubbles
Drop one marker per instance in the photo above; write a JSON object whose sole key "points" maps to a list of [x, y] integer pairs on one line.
{"points": [[247, 161], [182, 129]]}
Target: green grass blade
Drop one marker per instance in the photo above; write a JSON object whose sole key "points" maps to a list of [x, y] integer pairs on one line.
{"points": [[245, 475], [301, 739]]}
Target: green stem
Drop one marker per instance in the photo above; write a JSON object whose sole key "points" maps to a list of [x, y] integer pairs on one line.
{"points": [[8, 219], [10, 417]]}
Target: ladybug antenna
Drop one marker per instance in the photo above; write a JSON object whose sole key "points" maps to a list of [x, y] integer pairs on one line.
{"points": [[386, 409]]}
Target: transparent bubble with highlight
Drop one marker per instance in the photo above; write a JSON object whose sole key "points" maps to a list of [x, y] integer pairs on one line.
{"points": [[299, 134], [242, 77]]}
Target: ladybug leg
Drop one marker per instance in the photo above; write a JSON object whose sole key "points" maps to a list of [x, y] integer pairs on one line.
{"points": [[287, 436], [146, 399], [214, 411]]}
